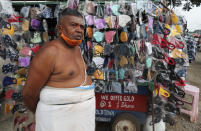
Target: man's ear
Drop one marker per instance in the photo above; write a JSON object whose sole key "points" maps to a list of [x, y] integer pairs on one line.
{"points": [[59, 29]]}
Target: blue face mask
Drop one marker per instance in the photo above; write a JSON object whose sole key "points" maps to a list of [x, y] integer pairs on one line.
{"points": [[98, 36], [121, 73], [115, 9], [149, 62], [132, 49]]}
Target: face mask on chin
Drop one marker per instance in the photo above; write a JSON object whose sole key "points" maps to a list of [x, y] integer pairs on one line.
{"points": [[69, 41]]}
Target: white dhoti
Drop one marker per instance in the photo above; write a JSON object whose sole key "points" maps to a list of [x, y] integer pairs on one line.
{"points": [[66, 109]]}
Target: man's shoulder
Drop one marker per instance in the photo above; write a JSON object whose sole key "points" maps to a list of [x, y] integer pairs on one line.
{"points": [[49, 48]]}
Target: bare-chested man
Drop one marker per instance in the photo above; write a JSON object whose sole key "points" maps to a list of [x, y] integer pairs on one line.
{"points": [[58, 89]]}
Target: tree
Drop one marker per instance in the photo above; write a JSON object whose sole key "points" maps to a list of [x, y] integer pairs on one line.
{"points": [[187, 6]]}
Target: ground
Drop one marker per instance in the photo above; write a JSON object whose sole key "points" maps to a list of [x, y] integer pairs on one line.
{"points": [[193, 78], [183, 122]]}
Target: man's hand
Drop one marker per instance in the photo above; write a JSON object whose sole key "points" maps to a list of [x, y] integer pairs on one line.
{"points": [[40, 69]]}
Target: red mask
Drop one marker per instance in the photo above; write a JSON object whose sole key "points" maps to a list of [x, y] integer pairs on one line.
{"points": [[70, 41]]}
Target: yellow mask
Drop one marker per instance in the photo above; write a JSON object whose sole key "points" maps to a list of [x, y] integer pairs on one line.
{"points": [[98, 74], [162, 92], [98, 49], [123, 36], [177, 53], [174, 19], [8, 31]]}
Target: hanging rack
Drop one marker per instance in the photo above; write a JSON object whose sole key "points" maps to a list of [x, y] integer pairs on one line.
{"points": [[38, 2]]}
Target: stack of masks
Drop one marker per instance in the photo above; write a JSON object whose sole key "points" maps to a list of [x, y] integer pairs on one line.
{"points": [[130, 43]]}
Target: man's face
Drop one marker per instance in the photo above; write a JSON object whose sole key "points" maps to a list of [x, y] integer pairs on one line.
{"points": [[73, 27]]}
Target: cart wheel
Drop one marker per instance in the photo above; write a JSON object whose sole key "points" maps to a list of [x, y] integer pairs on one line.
{"points": [[125, 122]]}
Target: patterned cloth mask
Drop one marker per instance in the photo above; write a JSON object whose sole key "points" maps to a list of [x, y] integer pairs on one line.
{"points": [[24, 61], [98, 61], [8, 81], [98, 50], [26, 51]]}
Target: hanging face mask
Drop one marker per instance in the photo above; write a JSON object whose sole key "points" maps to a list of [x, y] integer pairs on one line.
{"points": [[131, 60], [131, 87], [148, 62], [109, 36], [108, 10], [149, 48], [89, 45], [47, 12], [26, 51], [89, 20], [22, 72], [123, 61], [174, 19], [69, 41], [132, 49], [124, 36], [178, 28], [45, 37], [178, 54], [36, 38], [35, 23], [35, 49], [100, 10], [24, 61], [100, 23], [25, 25], [150, 22], [98, 36], [25, 11], [161, 91], [89, 32], [115, 9], [90, 7], [116, 87], [73, 4], [98, 61], [99, 74], [111, 21], [108, 49], [110, 63], [98, 50], [124, 20], [121, 73], [10, 31]]}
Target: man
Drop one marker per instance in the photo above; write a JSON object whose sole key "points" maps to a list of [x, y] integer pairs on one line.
{"points": [[58, 89]]}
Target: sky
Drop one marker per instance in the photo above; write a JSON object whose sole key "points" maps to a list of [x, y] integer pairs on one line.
{"points": [[193, 17]]}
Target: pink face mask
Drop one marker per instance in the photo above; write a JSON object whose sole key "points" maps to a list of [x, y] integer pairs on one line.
{"points": [[26, 51], [89, 19], [24, 61], [109, 36], [100, 23]]}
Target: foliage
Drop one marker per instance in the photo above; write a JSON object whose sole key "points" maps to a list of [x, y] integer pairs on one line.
{"points": [[189, 4]]}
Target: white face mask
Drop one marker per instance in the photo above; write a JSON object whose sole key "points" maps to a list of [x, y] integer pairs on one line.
{"points": [[98, 61], [123, 20], [149, 48]]}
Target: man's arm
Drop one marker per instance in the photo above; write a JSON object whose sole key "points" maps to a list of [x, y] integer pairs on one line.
{"points": [[40, 69]]}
